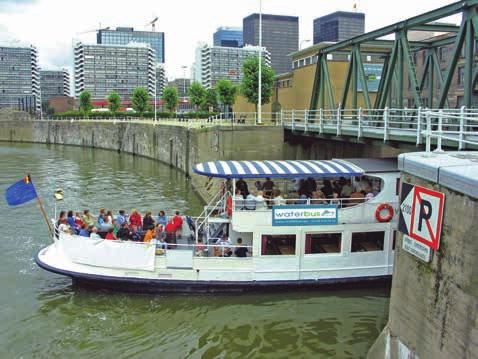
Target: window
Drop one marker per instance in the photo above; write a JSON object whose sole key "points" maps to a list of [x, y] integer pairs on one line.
{"points": [[367, 241], [461, 76], [323, 243], [281, 244]]}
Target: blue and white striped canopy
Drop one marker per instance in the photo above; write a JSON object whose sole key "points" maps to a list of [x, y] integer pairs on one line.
{"points": [[278, 169]]}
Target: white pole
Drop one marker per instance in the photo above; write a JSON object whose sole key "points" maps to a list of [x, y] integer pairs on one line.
{"points": [[259, 101], [155, 101]]}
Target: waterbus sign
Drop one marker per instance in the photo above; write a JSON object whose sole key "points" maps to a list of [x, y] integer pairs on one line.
{"points": [[304, 215]]}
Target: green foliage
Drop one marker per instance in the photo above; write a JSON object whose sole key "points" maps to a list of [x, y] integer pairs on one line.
{"points": [[197, 94], [250, 81], [140, 100], [124, 114], [170, 97], [114, 101], [211, 100], [85, 102], [226, 92]]}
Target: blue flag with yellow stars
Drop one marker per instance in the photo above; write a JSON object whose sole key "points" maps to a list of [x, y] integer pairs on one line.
{"points": [[21, 192]]}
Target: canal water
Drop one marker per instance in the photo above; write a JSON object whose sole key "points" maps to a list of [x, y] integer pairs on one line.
{"points": [[43, 316]]}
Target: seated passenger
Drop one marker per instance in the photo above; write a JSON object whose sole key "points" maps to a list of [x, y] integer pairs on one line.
{"points": [[346, 189], [124, 233], [111, 235], [148, 221], [88, 218], [135, 235], [109, 218], [250, 202], [241, 185], [356, 198], [63, 226], [170, 232], [71, 222], [369, 196], [78, 221], [278, 200], [94, 233], [162, 219], [200, 248], [327, 190], [240, 251], [135, 219], [238, 200], [261, 201], [149, 235], [101, 222], [121, 218], [224, 250], [84, 232], [268, 187], [159, 233]]}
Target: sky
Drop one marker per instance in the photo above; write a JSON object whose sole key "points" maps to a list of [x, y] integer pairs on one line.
{"points": [[54, 25]]}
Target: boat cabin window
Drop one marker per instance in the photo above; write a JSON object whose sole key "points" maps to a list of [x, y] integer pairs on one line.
{"points": [[262, 194], [323, 243], [280, 244], [367, 241]]}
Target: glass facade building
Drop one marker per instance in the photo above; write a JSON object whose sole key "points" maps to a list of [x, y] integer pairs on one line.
{"points": [[338, 26], [125, 35], [54, 83], [228, 37], [218, 62], [20, 78], [280, 36], [101, 69]]}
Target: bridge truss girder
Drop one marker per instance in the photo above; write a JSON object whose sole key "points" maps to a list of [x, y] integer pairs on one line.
{"points": [[398, 60]]}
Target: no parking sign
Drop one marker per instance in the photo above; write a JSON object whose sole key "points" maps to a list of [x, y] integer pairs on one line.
{"points": [[421, 214]]}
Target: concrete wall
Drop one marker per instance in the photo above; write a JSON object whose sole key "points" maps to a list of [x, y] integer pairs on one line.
{"points": [[434, 306], [175, 145]]}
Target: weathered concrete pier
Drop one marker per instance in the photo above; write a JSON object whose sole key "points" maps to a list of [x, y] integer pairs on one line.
{"points": [[434, 306]]}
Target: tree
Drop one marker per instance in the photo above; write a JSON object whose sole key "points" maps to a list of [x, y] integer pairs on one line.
{"points": [[211, 100], [250, 81], [226, 92], [140, 100], [85, 102], [197, 94], [170, 97], [114, 101]]}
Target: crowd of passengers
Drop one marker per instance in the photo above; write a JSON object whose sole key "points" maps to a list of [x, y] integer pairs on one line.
{"points": [[161, 231], [343, 192]]}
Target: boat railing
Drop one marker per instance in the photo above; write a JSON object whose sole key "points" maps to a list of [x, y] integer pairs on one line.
{"points": [[217, 204], [267, 204]]}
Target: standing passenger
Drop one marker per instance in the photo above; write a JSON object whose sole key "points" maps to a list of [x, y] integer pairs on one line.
{"points": [[148, 221], [135, 219], [162, 219]]}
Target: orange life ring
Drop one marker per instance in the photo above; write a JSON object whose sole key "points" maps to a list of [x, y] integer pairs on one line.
{"points": [[378, 213]]}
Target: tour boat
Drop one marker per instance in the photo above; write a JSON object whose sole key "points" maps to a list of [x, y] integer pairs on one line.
{"points": [[292, 240]]}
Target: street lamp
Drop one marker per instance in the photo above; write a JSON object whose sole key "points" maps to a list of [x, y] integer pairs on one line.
{"points": [[259, 97], [303, 42], [184, 80]]}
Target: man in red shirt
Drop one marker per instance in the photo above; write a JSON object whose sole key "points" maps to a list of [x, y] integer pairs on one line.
{"points": [[178, 224]]}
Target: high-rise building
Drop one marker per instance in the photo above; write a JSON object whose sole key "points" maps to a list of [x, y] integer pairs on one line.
{"points": [[280, 36], [182, 86], [101, 69], [160, 80], [338, 26], [125, 35], [228, 37], [218, 62], [54, 83], [20, 78]]}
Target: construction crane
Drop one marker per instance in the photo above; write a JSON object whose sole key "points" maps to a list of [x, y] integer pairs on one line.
{"points": [[93, 30], [153, 24]]}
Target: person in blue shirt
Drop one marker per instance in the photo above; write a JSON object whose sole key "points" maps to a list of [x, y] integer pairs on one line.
{"points": [[121, 218], [84, 232], [162, 218], [72, 223]]}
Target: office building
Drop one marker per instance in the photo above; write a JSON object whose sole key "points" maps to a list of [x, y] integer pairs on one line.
{"points": [[54, 83], [280, 36], [125, 35], [228, 37], [101, 69], [219, 63], [338, 26], [182, 86], [20, 79], [160, 80]]}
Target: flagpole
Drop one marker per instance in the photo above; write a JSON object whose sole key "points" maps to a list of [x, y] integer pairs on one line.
{"points": [[45, 216]]}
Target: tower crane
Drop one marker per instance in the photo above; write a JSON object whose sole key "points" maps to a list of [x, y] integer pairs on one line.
{"points": [[153, 23]]}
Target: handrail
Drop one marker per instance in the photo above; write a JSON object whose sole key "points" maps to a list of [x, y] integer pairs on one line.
{"points": [[203, 218]]}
